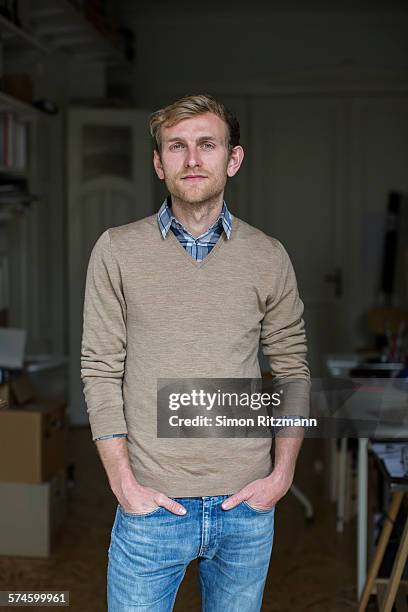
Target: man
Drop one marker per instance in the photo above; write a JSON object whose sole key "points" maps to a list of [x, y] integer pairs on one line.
{"points": [[188, 293]]}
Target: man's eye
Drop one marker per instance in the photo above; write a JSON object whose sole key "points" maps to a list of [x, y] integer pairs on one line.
{"points": [[176, 146], [208, 146]]}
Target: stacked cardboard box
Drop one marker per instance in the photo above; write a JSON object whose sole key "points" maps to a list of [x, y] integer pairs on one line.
{"points": [[32, 470]]}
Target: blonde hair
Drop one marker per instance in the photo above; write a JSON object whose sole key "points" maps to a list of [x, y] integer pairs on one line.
{"points": [[189, 106]]}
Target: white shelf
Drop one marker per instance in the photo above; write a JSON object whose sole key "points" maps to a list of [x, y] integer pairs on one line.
{"points": [[24, 110], [62, 27], [15, 37], [12, 172], [59, 26]]}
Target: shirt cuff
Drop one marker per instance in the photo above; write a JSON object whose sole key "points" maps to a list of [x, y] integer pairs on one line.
{"points": [[122, 435]]}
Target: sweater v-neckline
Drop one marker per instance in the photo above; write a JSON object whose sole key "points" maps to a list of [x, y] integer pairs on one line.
{"points": [[194, 262]]}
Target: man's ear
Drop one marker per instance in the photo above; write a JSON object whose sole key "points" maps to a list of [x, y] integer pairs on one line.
{"points": [[235, 160], [158, 164]]}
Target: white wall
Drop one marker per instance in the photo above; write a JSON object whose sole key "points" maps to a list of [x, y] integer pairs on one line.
{"points": [[235, 51], [242, 51], [253, 47]]}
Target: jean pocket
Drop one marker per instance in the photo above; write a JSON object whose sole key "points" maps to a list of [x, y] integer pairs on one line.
{"points": [[139, 514], [258, 510]]}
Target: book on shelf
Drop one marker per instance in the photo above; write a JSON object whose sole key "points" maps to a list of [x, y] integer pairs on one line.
{"points": [[13, 142], [15, 194]]}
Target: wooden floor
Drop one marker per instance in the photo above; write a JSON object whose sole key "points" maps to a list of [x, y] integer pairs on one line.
{"points": [[312, 567]]}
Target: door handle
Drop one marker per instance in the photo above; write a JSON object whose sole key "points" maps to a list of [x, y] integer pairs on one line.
{"points": [[336, 278]]}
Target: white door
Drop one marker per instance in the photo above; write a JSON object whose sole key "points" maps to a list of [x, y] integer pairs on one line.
{"points": [[298, 182], [379, 162], [110, 183]]}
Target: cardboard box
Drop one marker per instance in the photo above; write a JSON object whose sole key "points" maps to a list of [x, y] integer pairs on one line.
{"points": [[32, 441], [4, 396], [18, 391], [22, 390], [31, 516]]}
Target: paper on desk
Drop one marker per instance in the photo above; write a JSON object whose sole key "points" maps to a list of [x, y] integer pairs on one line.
{"points": [[390, 453]]}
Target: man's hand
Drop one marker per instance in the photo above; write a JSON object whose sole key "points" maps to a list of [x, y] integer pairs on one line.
{"points": [[132, 496], [264, 493], [137, 499]]}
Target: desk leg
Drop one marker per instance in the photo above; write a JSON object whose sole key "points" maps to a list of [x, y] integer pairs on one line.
{"points": [[397, 570], [362, 515], [341, 483], [380, 550]]}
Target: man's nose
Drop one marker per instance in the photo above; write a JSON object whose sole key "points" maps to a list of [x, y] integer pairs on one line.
{"points": [[192, 158]]}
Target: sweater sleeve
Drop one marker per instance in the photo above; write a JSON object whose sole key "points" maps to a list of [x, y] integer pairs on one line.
{"points": [[283, 341], [103, 349]]}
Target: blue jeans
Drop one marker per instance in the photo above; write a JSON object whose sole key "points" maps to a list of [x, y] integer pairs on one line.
{"points": [[149, 554]]}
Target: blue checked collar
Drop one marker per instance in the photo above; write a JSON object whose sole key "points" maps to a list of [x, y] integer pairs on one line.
{"points": [[165, 218]]}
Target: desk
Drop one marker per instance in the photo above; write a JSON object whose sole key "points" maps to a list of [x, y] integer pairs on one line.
{"points": [[339, 365], [362, 480], [398, 486]]}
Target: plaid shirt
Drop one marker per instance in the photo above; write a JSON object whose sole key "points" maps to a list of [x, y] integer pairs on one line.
{"points": [[198, 248]]}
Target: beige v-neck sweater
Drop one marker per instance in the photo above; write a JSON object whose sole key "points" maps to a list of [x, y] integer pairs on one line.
{"points": [[151, 311]]}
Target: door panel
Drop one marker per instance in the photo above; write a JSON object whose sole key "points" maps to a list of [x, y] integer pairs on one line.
{"points": [[379, 162], [297, 196], [110, 182]]}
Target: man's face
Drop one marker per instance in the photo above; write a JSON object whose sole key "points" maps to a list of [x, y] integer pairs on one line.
{"points": [[194, 160]]}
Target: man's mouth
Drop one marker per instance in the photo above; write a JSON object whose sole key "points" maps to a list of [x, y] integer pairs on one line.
{"points": [[193, 177]]}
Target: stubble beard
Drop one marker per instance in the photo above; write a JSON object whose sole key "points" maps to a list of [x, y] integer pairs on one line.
{"points": [[198, 198]]}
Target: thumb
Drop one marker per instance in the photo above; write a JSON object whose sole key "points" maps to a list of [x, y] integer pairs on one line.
{"points": [[235, 499], [170, 504]]}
